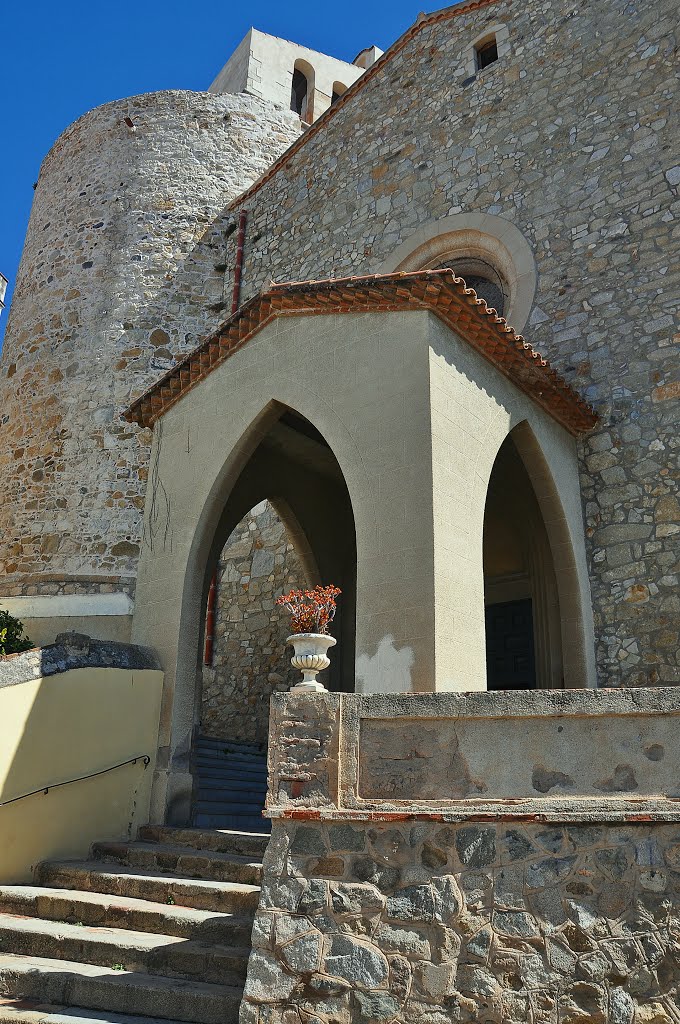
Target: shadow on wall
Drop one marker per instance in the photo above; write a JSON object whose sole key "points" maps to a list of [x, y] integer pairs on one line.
{"points": [[68, 712]]}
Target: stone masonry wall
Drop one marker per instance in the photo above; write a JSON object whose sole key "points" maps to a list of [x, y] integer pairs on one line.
{"points": [[470, 923], [123, 270], [250, 660], [570, 137], [413, 875]]}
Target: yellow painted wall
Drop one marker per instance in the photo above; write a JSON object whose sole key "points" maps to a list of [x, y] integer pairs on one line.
{"points": [[57, 728]]}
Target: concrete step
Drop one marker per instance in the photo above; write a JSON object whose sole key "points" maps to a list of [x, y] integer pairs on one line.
{"points": [[226, 746], [213, 770], [70, 983], [236, 798], [29, 1011], [165, 955], [225, 774], [181, 861], [258, 779], [246, 844], [103, 911], [247, 764], [223, 805], [254, 823], [237, 785], [201, 894]]}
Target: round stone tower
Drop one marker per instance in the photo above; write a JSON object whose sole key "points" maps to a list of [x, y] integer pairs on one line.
{"points": [[123, 269]]}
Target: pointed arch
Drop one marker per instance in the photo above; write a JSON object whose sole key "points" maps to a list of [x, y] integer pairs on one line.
{"points": [[283, 458], [552, 576]]}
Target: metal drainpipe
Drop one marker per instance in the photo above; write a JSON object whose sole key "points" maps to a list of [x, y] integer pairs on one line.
{"points": [[235, 303]]}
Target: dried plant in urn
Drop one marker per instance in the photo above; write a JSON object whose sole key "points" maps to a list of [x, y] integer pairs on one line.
{"points": [[311, 613]]}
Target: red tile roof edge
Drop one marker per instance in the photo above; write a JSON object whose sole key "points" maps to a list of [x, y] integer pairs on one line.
{"points": [[438, 291], [429, 19]]}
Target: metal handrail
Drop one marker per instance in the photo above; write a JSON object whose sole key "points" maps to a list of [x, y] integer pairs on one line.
{"points": [[55, 785]]}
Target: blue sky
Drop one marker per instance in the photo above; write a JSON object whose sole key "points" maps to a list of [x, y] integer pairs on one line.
{"points": [[59, 60]]}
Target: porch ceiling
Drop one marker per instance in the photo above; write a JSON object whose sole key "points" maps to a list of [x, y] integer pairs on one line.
{"points": [[438, 291]]}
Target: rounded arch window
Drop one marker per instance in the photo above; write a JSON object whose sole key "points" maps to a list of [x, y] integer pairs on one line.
{"points": [[488, 252], [302, 90], [338, 90], [480, 275]]}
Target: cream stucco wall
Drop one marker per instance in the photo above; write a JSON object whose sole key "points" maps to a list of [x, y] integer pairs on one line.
{"points": [[415, 418], [363, 382], [61, 727], [474, 408], [263, 65]]}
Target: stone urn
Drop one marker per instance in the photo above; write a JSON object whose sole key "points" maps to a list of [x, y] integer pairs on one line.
{"points": [[310, 657]]}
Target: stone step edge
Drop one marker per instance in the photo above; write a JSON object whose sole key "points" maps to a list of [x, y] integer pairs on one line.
{"points": [[31, 1011], [23, 901], [239, 860], [17, 972], [182, 835], [142, 942], [99, 869]]}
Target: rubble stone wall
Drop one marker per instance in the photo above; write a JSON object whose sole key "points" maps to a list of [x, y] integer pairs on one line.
{"points": [[506, 922], [250, 661], [123, 270], [569, 138]]}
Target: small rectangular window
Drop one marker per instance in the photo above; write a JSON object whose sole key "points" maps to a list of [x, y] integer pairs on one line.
{"points": [[487, 53]]}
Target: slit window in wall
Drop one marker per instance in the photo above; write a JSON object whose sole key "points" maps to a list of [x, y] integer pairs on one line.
{"points": [[486, 53]]}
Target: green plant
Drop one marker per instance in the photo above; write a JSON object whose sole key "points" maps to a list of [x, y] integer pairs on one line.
{"points": [[13, 640]]}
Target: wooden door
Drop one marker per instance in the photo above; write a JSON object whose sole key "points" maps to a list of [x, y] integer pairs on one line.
{"points": [[510, 662]]}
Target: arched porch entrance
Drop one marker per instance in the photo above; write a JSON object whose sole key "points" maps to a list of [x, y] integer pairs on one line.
{"points": [[373, 397], [299, 532]]}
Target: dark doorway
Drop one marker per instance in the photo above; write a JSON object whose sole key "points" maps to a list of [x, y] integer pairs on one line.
{"points": [[523, 629], [510, 661]]}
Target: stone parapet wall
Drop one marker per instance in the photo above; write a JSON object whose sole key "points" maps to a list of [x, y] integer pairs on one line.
{"points": [[564, 755], [431, 907], [250, 660], [569, 139]]}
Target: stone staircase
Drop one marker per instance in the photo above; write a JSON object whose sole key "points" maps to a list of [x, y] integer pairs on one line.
{"points": [[157, 929], [231, 785]]}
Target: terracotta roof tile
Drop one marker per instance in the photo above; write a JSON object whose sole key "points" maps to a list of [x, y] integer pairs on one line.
{"points": [[439, 291]]}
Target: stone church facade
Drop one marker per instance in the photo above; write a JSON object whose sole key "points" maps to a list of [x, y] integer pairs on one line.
{"points": [[410, 326], [536, 167]]}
